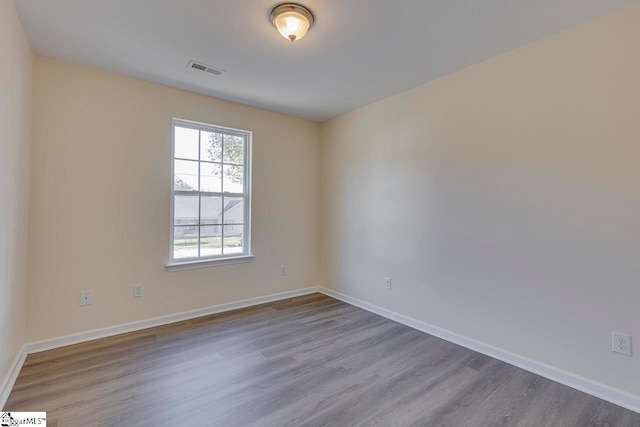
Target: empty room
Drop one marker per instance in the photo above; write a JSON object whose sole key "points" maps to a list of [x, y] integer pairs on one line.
{"points": [[324, 213]]}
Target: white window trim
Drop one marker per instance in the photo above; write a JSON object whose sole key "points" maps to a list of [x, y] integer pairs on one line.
{"points": [[203, 262], [208, 262]]}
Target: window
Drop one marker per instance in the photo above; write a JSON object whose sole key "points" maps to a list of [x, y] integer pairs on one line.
{"points": [[210, 194]]}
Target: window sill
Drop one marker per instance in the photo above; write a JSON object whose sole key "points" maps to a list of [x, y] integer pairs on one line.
{"points": [[204, 263]]}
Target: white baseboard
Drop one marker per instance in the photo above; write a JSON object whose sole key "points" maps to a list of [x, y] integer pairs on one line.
{"points": [[12, 374], [611, 394], [51, 343]]}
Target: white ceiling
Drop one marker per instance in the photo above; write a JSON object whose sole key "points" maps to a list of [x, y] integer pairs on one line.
{"points": [[358, 51]]}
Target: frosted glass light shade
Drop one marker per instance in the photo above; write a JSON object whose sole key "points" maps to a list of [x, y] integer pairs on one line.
{"points": [[292, 20]]}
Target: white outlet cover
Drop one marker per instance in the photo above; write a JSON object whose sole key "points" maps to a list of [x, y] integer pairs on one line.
{"points": [[138, 290], [621, 343], [387, 283], [283, 270], [86, 297]]}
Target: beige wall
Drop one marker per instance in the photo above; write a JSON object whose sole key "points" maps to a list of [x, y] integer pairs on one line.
{"points": [[101, 193], [15, 139], [503, 200]]}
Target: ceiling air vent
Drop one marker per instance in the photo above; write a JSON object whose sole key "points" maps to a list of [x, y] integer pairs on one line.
{"points": [[206, 68]]}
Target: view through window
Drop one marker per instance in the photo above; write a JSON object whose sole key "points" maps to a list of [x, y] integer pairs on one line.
{"points": [[210, 193]]}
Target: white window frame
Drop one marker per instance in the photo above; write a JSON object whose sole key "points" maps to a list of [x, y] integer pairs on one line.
{"points": [[176, 264]]}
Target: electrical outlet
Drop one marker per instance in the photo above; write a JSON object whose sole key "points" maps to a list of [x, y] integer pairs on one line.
{"points": [[621, 343], [138, 291], [387, 283], [86, 297], [283, 270]]}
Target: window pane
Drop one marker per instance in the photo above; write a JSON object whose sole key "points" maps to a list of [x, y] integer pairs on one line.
{"points": [[210, 240], [233, 239], [185, 175], [185, 242], [233, 179], [186, 143], [211, 210], [209, 197], [210, 177], [211, 146], [233, 210], [185, 210], [234, 149]]}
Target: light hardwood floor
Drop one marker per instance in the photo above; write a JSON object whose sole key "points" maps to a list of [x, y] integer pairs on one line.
{"points": [[307, 361]]}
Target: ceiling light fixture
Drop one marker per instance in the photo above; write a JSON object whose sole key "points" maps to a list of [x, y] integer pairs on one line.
{"points": [[292, 20]]}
